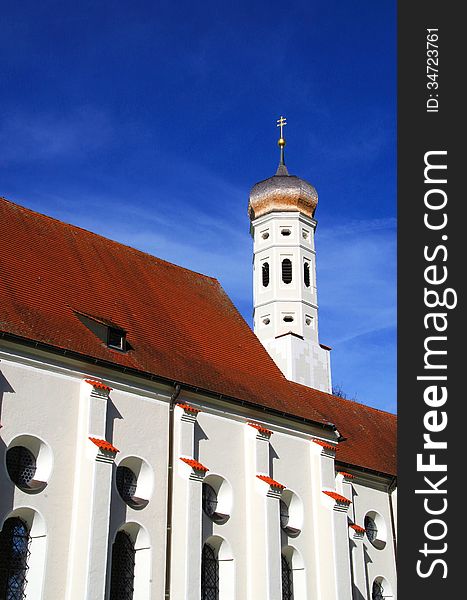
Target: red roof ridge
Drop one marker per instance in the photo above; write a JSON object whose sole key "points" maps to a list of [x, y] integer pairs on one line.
{"points": [[107, 239]]}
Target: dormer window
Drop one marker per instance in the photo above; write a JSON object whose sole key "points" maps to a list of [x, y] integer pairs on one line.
{"points": [[109, 333], [116, 338]]}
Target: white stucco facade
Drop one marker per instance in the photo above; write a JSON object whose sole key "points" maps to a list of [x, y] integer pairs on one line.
{"points": [[74, 519]]}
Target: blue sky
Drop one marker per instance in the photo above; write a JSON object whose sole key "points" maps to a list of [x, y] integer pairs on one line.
{"points": [[149, 122]]}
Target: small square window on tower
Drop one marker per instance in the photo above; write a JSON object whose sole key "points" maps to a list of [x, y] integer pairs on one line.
{"points": [[116, 338]]}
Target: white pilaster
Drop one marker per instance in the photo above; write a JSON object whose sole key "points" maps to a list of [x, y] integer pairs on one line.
{"points": [[263, 520], [87, 565], [187, 506]]}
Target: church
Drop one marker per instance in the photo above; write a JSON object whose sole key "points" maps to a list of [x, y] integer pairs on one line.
{"points": [[154, 447]]}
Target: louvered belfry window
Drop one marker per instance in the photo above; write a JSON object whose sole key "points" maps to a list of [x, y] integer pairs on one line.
{"points": [[306, 274], [265, 274], [14, 555], [123, 568], [209, 574], [287, 580], [286, 270]]}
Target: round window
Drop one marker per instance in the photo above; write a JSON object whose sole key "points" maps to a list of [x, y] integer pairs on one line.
{"points": [[126, 483], [284, 512], [291, 513], [21, 465], [371, 529], [209, 501], [134, 481], [216, 499], [375, 529]]}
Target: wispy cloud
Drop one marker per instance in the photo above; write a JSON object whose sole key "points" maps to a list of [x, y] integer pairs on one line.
{"points": [[46, 136]]}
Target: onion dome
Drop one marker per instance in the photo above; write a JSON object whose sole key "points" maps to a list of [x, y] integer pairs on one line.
{"points": [[282, 192]]}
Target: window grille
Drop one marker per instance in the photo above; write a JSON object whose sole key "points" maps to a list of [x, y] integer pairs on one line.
{"points": [[306, 274], [377, 593], [209, 574], [14, 555], [286, 270], [123, 568], [371, 529], [21, 465], [209, 501], [126, 483], [265, 274], [284, 512], [287, 580]]}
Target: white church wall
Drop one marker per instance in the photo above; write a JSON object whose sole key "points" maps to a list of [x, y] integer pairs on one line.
{"points": [[44, 404], [49, 400], [370, 496]]}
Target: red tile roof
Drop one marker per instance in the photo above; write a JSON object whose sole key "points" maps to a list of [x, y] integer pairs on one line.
{"points": [[271, 482], [324, 444], [370, 433], [99, 385], [260, 428], [104, 445], [180, 325], [194, 464], [337, 497], [346, 475], [188, 407]]}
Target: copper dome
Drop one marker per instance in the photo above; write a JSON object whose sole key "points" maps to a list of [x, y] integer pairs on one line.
{"points": [[282, 192]]}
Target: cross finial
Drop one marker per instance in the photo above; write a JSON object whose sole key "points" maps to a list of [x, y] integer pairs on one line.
{"points": [[281, 122]]}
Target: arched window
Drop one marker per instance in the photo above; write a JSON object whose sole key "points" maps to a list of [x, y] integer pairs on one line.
{"points": [[265, 274], [14, 555], [123, 568], [287, 580], [209, 574], [306, 274], [381, 589], [286, 270]]}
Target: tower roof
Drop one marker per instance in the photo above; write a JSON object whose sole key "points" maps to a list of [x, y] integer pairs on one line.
{"points": [[282, 192]]}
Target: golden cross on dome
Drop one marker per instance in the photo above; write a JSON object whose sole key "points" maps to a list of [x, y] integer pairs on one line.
{"points": [[281, 122]]}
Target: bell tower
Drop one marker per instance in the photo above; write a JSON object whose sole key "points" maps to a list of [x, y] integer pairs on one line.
{"points": [[281, 211]]}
